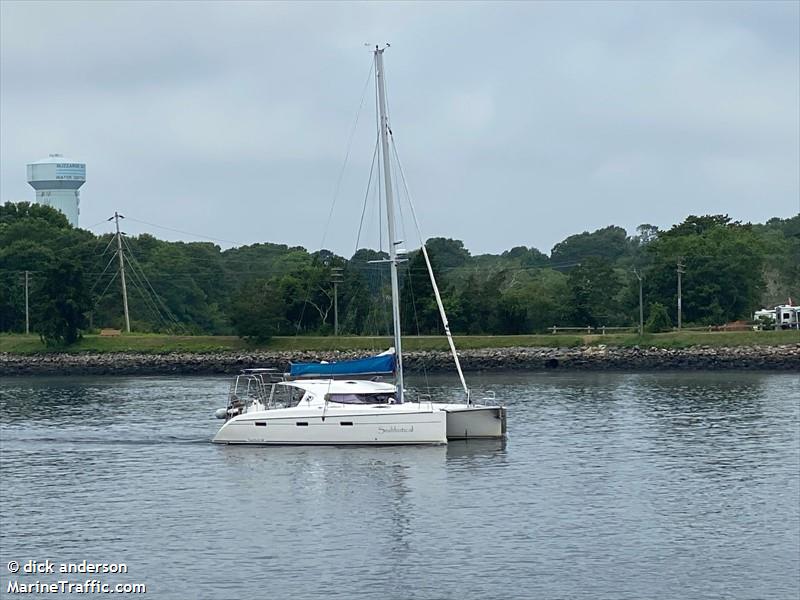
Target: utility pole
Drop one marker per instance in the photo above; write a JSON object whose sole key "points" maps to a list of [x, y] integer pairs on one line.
{"points": [[336, 278], [680, 271], [116, 218], [641, 304], [27, 312]]}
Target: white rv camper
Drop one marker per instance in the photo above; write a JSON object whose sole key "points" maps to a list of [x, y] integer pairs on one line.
{"points": [[764, 319], [787, 316]]}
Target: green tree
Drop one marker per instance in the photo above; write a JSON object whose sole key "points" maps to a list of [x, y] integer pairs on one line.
{"points": [[658, 319], [781, 241], [544, 296], [355, 300], [593, 289], [63, 300], [526, 257], [418, 310], [365, 295], [731, 269], [449, 254], [29, 215], [611, 243], [307, 296], [694, 225], [481, 310], [723, 261], [256, 311], [646, 234]]}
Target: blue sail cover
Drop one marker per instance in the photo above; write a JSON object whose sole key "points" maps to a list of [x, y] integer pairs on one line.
{"points": [[383, 364]]}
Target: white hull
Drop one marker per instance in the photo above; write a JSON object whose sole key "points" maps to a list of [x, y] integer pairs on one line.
{"points": [[466, 421], [341, 425]]}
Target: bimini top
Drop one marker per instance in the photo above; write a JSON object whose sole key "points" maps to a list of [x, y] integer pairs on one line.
{"points": [[382, 364]]}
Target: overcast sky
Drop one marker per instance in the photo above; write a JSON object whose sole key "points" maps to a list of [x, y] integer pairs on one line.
{"points": [[516, 124]]}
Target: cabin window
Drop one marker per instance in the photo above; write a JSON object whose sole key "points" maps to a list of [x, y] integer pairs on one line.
{"points": [[302, 423], [261, 423], [361, 398], [346, 423], [285, 396]]}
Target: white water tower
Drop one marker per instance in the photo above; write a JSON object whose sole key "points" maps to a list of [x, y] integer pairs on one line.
{"points": [[56, 181]]}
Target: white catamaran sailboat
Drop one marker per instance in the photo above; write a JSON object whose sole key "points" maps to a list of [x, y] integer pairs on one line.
{"points": [[331, 403]]}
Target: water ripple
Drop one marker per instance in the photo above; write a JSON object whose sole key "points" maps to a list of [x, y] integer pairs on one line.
{"points": [[610, 486]]}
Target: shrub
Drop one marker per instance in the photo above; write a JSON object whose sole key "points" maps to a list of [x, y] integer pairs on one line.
{"points": [[658, 320]]}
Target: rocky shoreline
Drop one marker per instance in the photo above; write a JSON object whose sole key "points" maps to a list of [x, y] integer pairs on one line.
{"points": [[785, 357]]}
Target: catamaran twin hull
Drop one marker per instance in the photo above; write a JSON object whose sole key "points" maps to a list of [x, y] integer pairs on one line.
{"points": [[342, 412], [343, 426], [446, 422]]}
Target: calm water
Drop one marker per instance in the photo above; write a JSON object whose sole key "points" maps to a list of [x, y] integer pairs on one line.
{"points": [[610, 486]]}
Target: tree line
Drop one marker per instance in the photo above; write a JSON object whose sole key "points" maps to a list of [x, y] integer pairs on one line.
{"points": [[256, 291]]}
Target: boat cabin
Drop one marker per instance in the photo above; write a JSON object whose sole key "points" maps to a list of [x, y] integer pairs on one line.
{"points": [[256, 391]]}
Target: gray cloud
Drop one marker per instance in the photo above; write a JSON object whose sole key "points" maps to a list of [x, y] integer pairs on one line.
{"points": [[517, 123]]}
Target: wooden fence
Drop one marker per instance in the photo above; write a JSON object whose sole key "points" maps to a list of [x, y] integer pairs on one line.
{"points": [[602, 330], [591, 330]]}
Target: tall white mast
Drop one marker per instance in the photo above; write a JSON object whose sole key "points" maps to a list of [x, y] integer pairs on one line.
{"points": [[387, 178]]}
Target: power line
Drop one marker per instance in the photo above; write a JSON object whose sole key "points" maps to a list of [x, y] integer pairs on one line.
{"points": [[240, 244], [152, 289], [100, 297], [110, 261]]}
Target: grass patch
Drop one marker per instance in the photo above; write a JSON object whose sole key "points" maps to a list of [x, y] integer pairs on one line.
{"points": [[688, 339], [159, 344]]}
